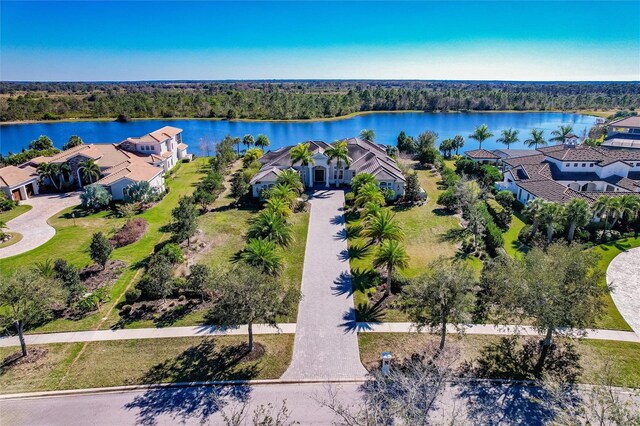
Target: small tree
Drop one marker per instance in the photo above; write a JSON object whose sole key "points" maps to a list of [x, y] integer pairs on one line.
{"points": [[368, 135], [41, 144], [185, 220], [576, 213], [100, 249], [443, 295], [26, 298], [263, 254], [239, 187], [247, 295], [139, 192], [199, 279], [412, 189], [95, 197], [72, 142], [204, 198], [69, 276], [157, 282], [248, 141], [391, 256]]}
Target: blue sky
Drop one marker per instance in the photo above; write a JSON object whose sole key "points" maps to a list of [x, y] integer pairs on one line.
{"points": [[266, 40]]}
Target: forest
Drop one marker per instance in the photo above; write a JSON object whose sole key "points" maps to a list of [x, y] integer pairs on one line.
{"points": [[299, 99]]}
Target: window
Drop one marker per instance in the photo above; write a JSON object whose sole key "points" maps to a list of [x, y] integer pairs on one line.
{"points": [[575, 164], [338, 174], [584, 164], [567, 165], [590, 164]]}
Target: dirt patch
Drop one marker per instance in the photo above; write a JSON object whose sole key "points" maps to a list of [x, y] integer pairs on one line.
{"points": [[16, 358], [163, 313], [94, 277], [258, 352], [198, 247]]}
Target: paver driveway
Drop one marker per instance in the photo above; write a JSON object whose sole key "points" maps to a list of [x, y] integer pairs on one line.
{"points": [[326, 343], [624, 274], [33, 224]]}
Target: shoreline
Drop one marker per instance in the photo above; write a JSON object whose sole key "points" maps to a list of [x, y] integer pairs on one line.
{"points": [[601, 114]]}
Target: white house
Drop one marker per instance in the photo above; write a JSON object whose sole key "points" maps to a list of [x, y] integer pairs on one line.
{"points": [[18, 184], [163, 147], [365, 156]]}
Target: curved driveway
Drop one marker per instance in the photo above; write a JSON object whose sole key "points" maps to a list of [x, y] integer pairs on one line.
{"points": [[33, 224], [624, 274]]}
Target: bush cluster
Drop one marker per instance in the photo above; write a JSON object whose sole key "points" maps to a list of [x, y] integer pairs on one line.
{"points": [[130, 232]]}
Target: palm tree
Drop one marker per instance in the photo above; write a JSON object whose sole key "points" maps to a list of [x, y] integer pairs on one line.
{"points": [[446, 146], [561, 134], [61, 170], [532, 211], [360, 180], [263, 254], [537, 138], [284, 192], [291, 178], [371, 209], [262, 141], [390, 255], [270, 225], [248, 141], [90, 170], [549, 215], [605, 207], [576, 213], [481, 134], [44, 268], [368, 135], [278, 205], [301, 154], [458, 142], [369, 193], [381, 227], [630, 206], [340, 153], [49, 171], [508, 137]]}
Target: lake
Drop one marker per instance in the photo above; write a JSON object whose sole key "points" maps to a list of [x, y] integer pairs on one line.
{"points": [[14, 137]]}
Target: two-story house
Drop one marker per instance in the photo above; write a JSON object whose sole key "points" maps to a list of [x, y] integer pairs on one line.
{"points": [[162, 148]]}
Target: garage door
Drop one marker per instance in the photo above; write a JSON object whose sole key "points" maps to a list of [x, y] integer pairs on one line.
{"points": [[15, 194], [29, 189]]}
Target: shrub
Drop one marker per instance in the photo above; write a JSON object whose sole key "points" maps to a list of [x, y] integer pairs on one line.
{"points": [[140, 192], [179, 283], [100, 249], [95, 197], [126, 310], [125, 210], [493, 238], [349, 197], [130, 232], [449, 177], [69, 276], [506, 199], [490, 174], [132, 295], [93, 300], [518, 206], [172, 253], [6, 203], [500, 215], [448, 199]]}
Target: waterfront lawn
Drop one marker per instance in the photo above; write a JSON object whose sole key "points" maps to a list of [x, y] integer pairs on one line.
{"points": [[623, 357], [72, 239], [15, 212], [129, 362], [424, 227]]}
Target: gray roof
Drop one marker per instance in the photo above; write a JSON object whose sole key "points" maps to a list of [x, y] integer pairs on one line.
{"points": [[514, 153], [481, 154], [633, 121]]}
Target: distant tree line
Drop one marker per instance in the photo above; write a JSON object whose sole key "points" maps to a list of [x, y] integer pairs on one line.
{"points": [[300, 99]]}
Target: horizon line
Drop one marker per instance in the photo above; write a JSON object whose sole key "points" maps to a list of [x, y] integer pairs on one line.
{"points": [[267, 80]]}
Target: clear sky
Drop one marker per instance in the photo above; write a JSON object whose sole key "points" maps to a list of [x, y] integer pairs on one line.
{"points": [[307, 40]]}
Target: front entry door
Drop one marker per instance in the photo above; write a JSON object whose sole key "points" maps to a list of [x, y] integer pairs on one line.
{"points": [[318, 175]]}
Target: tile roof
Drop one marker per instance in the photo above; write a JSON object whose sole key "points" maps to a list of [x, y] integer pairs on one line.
{"points": [[481, 153], [633, 121], [513, 153], [601, 154], [156, 136], [12, 175], [133, 169], [182, 146]]}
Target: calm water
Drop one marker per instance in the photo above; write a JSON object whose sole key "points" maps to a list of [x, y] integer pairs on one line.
{"points": [[386, 125]]}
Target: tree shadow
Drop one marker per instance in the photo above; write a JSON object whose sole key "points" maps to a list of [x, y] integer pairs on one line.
{"points": [[342, 285], [365, 312], [337, 220], [353, 231], [454, 235], [442, 212], [351, 324], [202, 362], [341, 235], [169, 317], [363, 280], [357, 252]]}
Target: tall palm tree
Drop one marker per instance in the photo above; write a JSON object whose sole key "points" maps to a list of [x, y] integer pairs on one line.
{"points": [[90, 170], [481, 134], [262, 141], [263, 254], [605, 207], [576, 213], [549, 215], [301, 154], [390, 255], [291, 178], [532, 211], [458, 142], [49, 171], [340, 153], [537, 138], [248, 141], [62, 169], [560, 134], [381, 227], [369, 193], [617, 210], [368, 135], [508, 136], [630, 206], [270, 225]]}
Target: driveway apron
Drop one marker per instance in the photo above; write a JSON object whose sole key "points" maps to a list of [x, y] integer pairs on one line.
{"points": [[326, 343], [624, 274]]}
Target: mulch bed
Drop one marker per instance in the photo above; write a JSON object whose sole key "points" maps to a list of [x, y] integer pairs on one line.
{"points": [[94, 277], [15, 359], [258, 352]]}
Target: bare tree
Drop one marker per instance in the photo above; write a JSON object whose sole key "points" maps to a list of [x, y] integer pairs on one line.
{"points": [[262, 415], [206, 146]]}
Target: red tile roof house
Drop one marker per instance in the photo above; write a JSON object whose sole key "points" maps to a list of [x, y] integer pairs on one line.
{"points": [[562, 172], [366, 157], [146, 158]]}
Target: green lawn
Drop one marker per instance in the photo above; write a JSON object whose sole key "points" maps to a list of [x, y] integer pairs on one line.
{"points": [[624, 357], [13, 213], [512, 246], [72, 242], [15, 239], [128, 362]]}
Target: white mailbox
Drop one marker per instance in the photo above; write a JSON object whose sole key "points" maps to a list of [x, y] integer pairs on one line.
{"points": [[386, 363]]}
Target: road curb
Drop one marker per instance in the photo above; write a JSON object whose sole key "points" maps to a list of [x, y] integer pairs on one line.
{"points": [[129, 388]]}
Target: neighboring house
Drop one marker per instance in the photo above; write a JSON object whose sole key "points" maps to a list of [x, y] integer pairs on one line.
{"points": [[623, 133], [562, 172], [365, 156], [483, 156], [134, 159], [18, 184]]}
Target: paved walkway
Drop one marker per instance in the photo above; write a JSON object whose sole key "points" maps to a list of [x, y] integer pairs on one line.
{"points": [[33, 224], [326, 342], [144, 333], [624, 274]]}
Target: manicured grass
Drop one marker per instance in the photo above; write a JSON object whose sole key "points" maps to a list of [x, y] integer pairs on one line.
{"points": [[512, 246], [72, 239], [13, 213], [14, 239], [127, 362], [624, 357]]}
